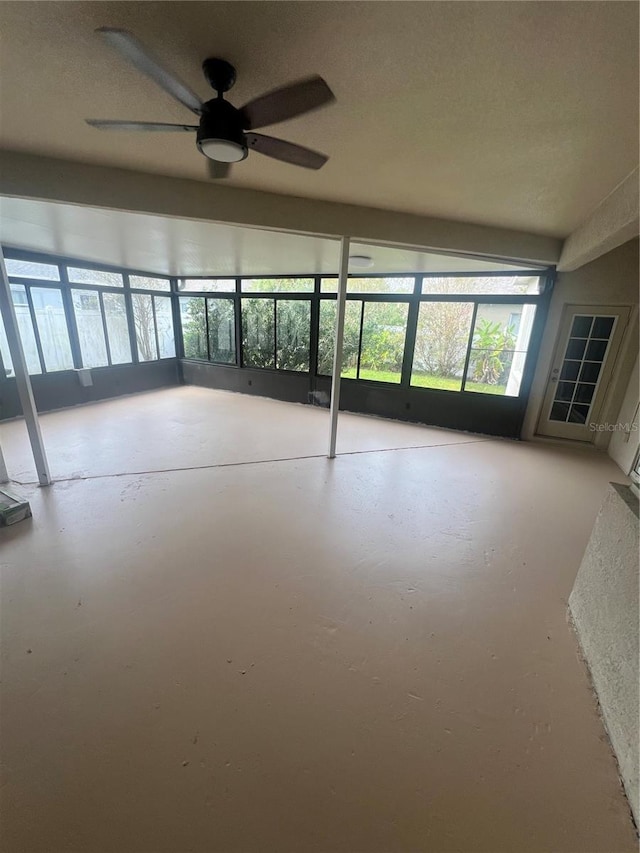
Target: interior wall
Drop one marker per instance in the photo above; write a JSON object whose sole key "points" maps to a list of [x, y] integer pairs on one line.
{"points": [[28, 176], [624, 442], [604, 606], [609, 280]]}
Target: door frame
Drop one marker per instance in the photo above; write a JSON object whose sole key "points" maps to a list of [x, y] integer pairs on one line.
{"points": [[581, 432]]}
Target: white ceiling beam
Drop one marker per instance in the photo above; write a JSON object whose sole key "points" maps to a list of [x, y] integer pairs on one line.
{"points": [[614, 221], [29, 176]]}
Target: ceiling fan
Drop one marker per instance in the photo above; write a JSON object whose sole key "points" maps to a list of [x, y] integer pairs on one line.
{"points": [[225, 133]]}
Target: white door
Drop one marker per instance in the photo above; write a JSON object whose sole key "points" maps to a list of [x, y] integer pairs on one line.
{"points": [[588, 342]]}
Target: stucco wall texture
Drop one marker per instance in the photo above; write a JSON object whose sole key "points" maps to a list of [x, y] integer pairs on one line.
{"points": [[604, 606]]}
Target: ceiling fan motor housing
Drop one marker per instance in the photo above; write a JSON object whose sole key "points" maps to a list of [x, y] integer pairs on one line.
{"points": [[221, 122]]}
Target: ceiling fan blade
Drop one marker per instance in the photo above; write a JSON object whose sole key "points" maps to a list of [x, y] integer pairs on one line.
{"points": [[286, 102], [217, 169], [128, 46], [288, 152], [109, 124]]}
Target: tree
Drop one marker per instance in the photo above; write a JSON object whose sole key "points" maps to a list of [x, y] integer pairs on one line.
{"points": [[490, 342], [442, 337], [144, 326]]}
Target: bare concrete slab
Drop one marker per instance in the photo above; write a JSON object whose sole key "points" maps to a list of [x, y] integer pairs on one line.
{"points": [[369, 655]]}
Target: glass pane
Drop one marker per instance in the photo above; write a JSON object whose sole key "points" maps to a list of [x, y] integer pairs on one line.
{"points": [[144, 326], [222, 330], [7, 363], [498, 354], [86, 307], [602, 327], [164, 324], [351, 337], [575, 348], [383, 333], [78, 275], [596, 350], [207, 285], [117, 328], [559, 412], [25, 327], [570, 370], [258, 333], [584, 393], [442, 337], [52, 326], [590, 371], [390, 284], [194, 329], [277, 285], [565, 391], [144, 282], [32, 269], [578, 414], [502, 284], [292, 336], [581, 327]]}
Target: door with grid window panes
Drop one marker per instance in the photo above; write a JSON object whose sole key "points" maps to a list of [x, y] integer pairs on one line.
{"points": [[588, 343]]}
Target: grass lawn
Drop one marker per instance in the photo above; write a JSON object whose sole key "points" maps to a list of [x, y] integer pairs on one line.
{"points": [[424, 380]]}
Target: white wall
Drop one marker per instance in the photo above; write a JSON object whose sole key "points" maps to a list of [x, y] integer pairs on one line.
{"points": [[609, 280], [604, 607], [624, 443]]}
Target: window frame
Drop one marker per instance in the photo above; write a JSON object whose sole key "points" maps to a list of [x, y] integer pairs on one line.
{"points": [[65, 286], [235, 294]]}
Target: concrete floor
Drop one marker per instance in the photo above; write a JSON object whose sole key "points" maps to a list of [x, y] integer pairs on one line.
{"points": [[368, 655]]}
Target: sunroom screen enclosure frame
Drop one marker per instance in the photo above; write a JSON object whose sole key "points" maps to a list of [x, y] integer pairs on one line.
{"points": [[460, 409]]}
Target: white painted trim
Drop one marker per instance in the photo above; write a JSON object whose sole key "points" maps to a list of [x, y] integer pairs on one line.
{"points": [[337, 352], [23, 380]]}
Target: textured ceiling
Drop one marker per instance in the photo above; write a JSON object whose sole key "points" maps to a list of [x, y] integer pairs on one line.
{"points": [[516, 114], [189, 247]]}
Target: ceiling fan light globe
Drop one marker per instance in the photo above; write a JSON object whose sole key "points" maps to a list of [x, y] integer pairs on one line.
{"points": [[222, 150]]}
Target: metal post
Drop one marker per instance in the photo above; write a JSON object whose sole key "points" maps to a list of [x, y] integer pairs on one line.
{"points": [[337, 353], [23, 382], [4, 474]]}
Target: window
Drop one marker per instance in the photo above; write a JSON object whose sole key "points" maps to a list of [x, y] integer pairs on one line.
{"points": [[293, 326], [390, 284], [222, 330], [384, 328], [52, 328], [498, 352], [79, 275], [277, 285], [164, 326], [258, 333], [194, 327], [144, 323], [442, 339], [470, 284], [581, 367], [32, 269], [351, 337], [206, 285], [93, 348], [143, 282], [25, 327], [115, 314]]}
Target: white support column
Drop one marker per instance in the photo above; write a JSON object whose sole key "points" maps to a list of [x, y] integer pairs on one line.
{"points": [[337, 352], [23, 381], [4, 474]]}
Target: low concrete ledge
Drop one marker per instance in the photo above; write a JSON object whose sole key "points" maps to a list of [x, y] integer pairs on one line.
{"points": [[605, 610]]}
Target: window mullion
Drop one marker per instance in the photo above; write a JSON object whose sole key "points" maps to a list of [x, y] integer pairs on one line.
{"points": [[467, 357], [104, 328], [36, 331]]}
